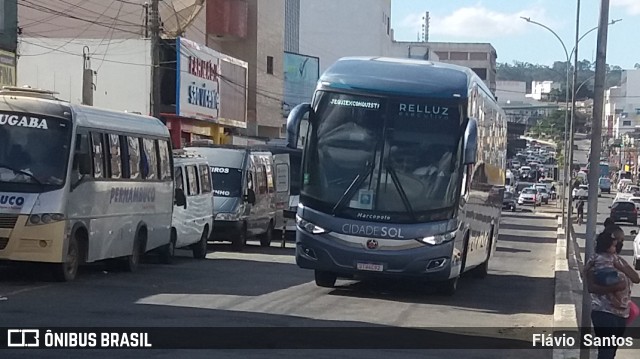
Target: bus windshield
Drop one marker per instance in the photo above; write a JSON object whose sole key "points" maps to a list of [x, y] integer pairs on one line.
{"points": [[371, 158], [33, 150], [227, 182]]}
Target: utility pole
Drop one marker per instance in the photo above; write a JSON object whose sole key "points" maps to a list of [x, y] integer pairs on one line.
{"points": [[594, 161], [87, 78], [154, 19], [573, 120]]}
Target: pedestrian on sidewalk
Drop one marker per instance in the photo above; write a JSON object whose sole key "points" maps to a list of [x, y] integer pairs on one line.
{"points": [[610, 304], [580, 209]]}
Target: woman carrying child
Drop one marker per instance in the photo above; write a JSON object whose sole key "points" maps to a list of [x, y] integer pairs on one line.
{"points": [[609, 278]]}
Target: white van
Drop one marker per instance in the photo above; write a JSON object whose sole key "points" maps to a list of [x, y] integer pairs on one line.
{"points": [[192, 221]]}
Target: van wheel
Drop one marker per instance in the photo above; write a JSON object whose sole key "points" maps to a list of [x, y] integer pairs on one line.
{"points": [[168, 251], [267, 237], [200, 248], [67, 270], [325, 279], [449, 287], [240, 240], [132, 261]]}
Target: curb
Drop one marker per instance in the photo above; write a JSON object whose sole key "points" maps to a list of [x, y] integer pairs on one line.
{"points": [[564, 310]]}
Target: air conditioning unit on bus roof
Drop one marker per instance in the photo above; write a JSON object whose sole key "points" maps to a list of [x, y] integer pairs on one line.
{"points": [[28, 91]]}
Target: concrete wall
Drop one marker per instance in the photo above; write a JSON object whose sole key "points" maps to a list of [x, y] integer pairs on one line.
{"points": [[265, 37], [481, 57], [508, 91], [123, 73], [361, 25]]}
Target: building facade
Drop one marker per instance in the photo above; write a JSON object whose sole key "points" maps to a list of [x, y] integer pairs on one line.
{"points": [[8, 41], [58, 43], [622, 106], [253, 31], [364, 28], [480, 57], [540, 90]]}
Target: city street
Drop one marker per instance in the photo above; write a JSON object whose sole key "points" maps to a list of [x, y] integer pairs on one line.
{"points": [[264, 287]]}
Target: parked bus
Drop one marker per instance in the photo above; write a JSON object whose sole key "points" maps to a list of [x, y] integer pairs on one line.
{"points": [[404, 169], [79, 184]]}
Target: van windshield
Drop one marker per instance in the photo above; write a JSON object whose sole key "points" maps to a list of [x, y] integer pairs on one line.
{"points": [[227, 182]]}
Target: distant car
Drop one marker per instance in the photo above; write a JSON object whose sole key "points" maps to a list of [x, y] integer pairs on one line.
{"points": [[624, 211], [544, 193], [582, 192], [632, 189], [530, 196], [509, 201], [636, 252], [605, 184], [635, 200], [623, 183]]}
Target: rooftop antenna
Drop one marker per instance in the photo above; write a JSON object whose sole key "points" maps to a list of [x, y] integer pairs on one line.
{"points": [[425, 27]]}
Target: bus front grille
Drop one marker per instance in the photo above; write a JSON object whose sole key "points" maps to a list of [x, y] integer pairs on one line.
{"points": [[3, 243], [8, 222]]}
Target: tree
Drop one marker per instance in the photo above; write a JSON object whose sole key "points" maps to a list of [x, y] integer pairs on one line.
{"points": [[636, 66]]}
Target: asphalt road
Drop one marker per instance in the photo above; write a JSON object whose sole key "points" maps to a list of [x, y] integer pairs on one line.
{"points": [[263, 287]]}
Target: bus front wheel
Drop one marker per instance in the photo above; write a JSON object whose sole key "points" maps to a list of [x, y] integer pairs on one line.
{"points": [[325, 279], [67, 270]]}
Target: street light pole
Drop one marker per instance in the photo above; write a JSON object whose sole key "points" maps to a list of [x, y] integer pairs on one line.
{"points": [[596, 146], [565, 183], [573, 112]]}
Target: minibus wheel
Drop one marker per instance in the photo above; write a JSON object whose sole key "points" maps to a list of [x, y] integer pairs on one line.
{"points": [[240, 239], [132, 261], [267, 237], [168, 251], [67, 270], [200, 248]]}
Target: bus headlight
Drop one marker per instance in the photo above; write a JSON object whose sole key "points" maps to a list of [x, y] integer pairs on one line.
{"points": [[234, 216], [439, 238], [44, 218], [308, 226]]}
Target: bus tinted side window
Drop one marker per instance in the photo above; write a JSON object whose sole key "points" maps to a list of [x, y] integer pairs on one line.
{"points": [[205, 179], [192, 181], [134, 157], [179, 180], [97, 150], [164, 157], [149, 160], [115, 159]]}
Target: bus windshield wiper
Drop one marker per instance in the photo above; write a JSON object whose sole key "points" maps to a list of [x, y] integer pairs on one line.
{"points": [[355, 184], [403, 194], [24, 173]]}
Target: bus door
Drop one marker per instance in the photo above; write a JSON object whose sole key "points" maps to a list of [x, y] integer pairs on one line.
{"points": [[282, 165]]}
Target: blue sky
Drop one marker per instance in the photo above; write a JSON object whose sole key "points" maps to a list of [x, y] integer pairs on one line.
{"points": [[498, 22]]}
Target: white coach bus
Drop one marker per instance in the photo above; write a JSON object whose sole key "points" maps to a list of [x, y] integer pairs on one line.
{"points": [[80, 184]]}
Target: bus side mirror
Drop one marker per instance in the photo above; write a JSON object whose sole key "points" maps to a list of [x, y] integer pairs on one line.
{"points": [[180, 199], [293, 123], [470, 142]]}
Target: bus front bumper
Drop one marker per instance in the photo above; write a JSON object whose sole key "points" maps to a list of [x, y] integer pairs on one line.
{"points": [[34, 243], [323, 253]]}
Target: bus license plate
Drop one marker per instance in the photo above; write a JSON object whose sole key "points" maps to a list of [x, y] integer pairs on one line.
{"points": [[623, 218], [370, 267]]}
